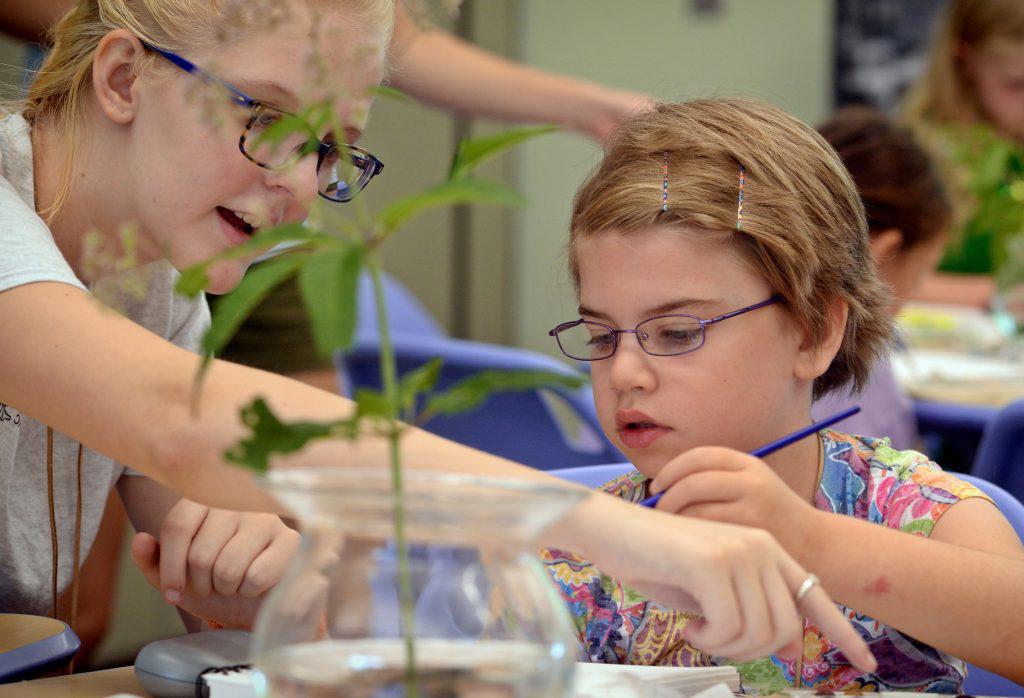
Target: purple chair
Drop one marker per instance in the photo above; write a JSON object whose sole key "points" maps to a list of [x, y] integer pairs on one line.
{"points": [[1000, 457], [979, 681], [545, 429]]}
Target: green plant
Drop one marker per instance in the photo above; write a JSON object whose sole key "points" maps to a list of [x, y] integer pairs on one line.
{"points": [[327, 264]]}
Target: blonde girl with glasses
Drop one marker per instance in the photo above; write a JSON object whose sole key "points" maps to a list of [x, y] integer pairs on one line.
{"points": [[720, 253], [117, 133]]}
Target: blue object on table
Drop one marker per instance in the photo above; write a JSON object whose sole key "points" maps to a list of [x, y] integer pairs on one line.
{"points": [[1000, 458], [41, 656], [979, 681]]}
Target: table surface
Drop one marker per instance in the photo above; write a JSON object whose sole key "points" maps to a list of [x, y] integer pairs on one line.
{"points": [[93, 684]]}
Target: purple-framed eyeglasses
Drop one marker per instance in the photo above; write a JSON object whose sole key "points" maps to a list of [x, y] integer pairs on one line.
{"points": [[342, 170], [663, 335]]}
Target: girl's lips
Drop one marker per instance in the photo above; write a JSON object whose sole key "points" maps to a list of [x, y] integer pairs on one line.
{"points": [[641, 436], [636, 429], [235, 233]]}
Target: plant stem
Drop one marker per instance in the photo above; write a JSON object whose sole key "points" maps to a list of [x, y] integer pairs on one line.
{"points": [[389, 378]]}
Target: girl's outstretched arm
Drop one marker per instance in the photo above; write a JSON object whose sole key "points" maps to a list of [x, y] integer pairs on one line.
{"points": [[90, 373]]}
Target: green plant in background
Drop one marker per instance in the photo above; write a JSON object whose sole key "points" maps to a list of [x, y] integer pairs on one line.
{"points": [[988, 183], [327, 261]]}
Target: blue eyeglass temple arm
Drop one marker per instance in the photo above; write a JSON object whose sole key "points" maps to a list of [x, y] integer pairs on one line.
{"points": [[774, 299], [192, 69]]}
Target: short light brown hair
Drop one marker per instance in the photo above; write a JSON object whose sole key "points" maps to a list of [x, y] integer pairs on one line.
{"points": [[803, 221]]}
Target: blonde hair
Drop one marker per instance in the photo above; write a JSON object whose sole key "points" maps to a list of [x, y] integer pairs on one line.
{"points": [[58, 95], [944, 95], [803, 221]]}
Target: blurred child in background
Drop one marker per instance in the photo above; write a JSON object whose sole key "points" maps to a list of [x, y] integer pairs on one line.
{"points": [[908, 216]]}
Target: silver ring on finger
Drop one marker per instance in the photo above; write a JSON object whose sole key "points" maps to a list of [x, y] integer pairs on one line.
{"points": [[805, 588]]}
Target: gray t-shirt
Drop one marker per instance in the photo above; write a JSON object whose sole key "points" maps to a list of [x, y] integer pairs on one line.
{"points": [[29, 254]]}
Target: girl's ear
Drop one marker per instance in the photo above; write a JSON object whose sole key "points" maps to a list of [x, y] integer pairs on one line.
{"points": [[113, 75], [815, 357], [885, 245]]}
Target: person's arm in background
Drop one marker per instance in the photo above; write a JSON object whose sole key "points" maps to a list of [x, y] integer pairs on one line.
{"points": [[444, 71], [32, 20], [975, 290]]}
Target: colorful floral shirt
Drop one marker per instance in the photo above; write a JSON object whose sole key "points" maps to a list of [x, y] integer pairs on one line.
{"points": [[861, 477]]}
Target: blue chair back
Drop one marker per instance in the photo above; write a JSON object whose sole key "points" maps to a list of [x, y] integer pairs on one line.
{"points": [[544, 429], [979, 681], [1000, 457]]}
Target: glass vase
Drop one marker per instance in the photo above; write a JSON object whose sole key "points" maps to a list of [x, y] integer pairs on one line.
{"points": [[466, 611]]}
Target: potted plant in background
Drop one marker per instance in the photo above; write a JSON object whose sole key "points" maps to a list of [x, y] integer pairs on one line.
{"points": [[414, 583]]}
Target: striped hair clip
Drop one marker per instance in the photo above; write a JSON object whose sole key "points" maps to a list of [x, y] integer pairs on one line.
{"points": [[739, 204], [664, 182]]}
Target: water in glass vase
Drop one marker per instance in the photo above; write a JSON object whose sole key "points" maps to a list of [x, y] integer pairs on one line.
{"points": [[375, 668]]}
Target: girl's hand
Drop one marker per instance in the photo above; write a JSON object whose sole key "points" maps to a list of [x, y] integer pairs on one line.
{"points": [[739, 579], [215, 563], [720, 484]]}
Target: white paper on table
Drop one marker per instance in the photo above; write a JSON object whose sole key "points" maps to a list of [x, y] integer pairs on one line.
{"points": [[592, 681], [595, 680], [923, 366]]}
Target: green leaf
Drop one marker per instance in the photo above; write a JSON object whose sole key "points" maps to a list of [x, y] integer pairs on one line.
{"points": [[270, 436], [372, 403], [473, 151], [417, 382], [471, 392], [237, 305], [328, 285], [195, 279], [463, 191]]}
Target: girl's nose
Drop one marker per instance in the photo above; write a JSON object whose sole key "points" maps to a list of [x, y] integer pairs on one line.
{"points": [[299, 180], [631, 367]]}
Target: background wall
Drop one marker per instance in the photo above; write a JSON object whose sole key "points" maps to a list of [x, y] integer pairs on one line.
{"points": [[779, 50]]}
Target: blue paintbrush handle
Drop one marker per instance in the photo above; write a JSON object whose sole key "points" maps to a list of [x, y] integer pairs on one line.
{"points": [[781, 443]]}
